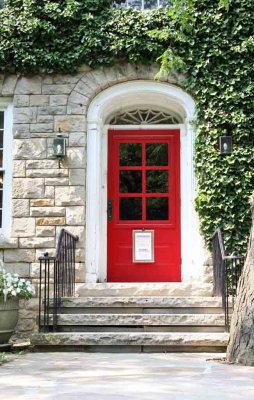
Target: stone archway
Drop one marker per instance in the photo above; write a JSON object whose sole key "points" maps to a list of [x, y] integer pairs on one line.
{"points": [[115, 100]]}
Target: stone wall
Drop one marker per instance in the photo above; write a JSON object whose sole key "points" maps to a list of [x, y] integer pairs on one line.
{"points": [[45, 196]]}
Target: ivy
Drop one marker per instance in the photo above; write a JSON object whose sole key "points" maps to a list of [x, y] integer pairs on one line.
{"points": [[210, 41], [214, 48]]}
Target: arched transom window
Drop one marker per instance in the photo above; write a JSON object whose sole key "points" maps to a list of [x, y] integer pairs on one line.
{"points": [[145, 117]]}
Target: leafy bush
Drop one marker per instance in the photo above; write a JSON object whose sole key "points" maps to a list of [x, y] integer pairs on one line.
{"points": [[13, 287]]}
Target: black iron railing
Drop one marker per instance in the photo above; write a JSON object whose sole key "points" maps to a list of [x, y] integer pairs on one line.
{"points": [[226, 274], [56, 280]]}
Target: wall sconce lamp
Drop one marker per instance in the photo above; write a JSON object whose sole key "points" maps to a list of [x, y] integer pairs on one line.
{"points": [[225, 145], [59, 147]]}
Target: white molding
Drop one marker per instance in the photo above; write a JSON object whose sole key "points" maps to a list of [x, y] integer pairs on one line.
{"points": [[7, 107], [112, 100]]}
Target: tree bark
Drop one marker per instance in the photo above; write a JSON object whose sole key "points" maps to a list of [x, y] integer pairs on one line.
{"points": [[241, 344]]}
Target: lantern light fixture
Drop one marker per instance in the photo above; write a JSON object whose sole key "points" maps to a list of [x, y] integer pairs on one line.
{"points": [[59, 146], [225, 145]]}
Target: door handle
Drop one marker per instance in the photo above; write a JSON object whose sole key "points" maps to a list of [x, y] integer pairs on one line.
{"points": [[110, 209]]}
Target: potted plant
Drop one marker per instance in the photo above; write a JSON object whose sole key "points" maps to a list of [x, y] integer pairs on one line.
{"points": [[12, 288]]}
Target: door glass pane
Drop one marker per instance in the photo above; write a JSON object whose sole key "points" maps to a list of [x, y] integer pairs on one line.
{"points": [[0, 218], [1, 158], [1, 120], [150, 4], [130, 154], [157, 208], [157, 154], [130, 208], [156, 181], [1, 179], [1, 140], [130, 182]]}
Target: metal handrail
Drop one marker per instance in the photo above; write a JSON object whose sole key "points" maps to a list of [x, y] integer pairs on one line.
{"points": [[56, 279], [226, 273]]}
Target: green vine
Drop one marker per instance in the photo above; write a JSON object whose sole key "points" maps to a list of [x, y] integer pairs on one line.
{"points": [[211, 41]]}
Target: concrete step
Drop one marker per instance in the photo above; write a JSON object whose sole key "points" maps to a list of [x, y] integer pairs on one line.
{"points": [[148, 341], [144, 289]]}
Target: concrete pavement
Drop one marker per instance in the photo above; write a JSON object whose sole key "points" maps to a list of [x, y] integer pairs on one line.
{"points": [[94, 376]]}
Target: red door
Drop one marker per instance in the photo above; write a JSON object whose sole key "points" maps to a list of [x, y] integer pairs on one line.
{"points": [[144, 194]]}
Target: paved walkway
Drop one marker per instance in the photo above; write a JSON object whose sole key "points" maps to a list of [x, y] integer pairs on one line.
{"points": [[47, 376]]}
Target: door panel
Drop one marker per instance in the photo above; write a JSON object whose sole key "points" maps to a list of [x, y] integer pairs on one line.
{"points": [[144, 194]]}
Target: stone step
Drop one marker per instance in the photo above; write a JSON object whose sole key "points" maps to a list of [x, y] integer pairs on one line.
{"points": [[153, 341], [141, 319], [144, 289], [140, 301]]}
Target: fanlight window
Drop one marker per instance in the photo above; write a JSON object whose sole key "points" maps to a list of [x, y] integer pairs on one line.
{"points": [[145, 117], [140, 4]]}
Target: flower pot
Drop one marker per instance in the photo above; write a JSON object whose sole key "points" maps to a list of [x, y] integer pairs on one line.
{"points": [[8, 319]]}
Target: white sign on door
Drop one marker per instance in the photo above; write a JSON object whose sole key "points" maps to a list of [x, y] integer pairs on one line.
{"points": [[143, 246]]}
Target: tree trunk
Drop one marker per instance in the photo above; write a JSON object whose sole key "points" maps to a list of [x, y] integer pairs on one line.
{"points": [[241, 344]]}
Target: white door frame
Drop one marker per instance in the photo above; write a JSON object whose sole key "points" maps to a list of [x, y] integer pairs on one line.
{"points": [[109, 102]]}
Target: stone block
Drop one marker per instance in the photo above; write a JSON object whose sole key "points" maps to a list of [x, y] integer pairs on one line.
{"points": [[22, 269], [19, 255], [23, 227], [20, 208], [77, 139], [76, 109], [29, 188], [37, 242], [45, 231], [80, 255], [29, 149], [26, 324], [45, 119], [19, 169], [57, 89], [25, 115], [75, 215], [42, 203], [65, 78], [80, 272], [8, 243], [9, 85], [21, 100], [99, 76], [21, 131], [78, 98], [41, 128], [35, 270], [28, 85], [50, 192], [76, 157], [52, 173], [70, 123], [32, 304], [47, 211], [39, 100], [77, 177], [40, 252], [44, 164], [58, 100], [50, 221], [52, 110], [83, 88], [70, 196], [57, 181]]}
